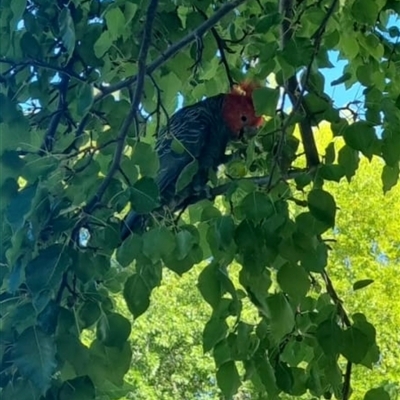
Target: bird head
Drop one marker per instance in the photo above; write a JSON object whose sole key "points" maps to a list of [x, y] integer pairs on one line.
{"points": [[238, 110]]}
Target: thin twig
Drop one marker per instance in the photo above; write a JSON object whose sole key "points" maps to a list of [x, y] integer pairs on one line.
{"points": [[146, 40], [175, 48], [222, 47], [163, 58], [41, 64], [297, 99], [346, 320], [48, 142]]}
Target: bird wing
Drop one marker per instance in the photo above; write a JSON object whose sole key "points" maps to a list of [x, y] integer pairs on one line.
{"points": [[180, 143]]}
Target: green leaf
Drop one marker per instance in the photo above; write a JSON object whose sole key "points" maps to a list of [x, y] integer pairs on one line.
{"points": [[146, 158], [215, 330], [80, 388], [349, 160], [293, 280], [265, 101], [265, 23], [109, 363], [354, 344], [30, 45], [158, 243], [322, 206], [144, 195], [67, 30], [34, 354], [20, 207], [180, 266], [184, 243], [102, 45], [115, 22], [300, 383], [225, 227], [129, 250], [267, 375], [391, 147], [377, 394], [17, 7], [390, 177], [186, 176], [137, 295], [88, 314], [365, 11], [209, 285], [332, 172], [228, 379], [360, 136], [256, 206], [307, 224], [362, 284], [85, 99], [130, 10], [46, 270], [344, 78], [284, 377], [281, 315], [113, 330], [328, 335]]}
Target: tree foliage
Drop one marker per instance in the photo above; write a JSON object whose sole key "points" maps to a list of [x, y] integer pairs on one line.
{"points": [[85, 85]]}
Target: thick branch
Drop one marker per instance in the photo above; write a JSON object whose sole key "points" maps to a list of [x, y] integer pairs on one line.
{"points": [[146, 40], [175, 48], [296, 97]]}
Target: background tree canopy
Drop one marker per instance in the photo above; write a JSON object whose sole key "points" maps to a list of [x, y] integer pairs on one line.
{"points": [[85, 87]]}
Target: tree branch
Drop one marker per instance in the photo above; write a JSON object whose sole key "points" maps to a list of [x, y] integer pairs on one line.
{"points": [[55, 120], [346, 320], [292, 85], [175, 48], [142, 70], [222, 47], [41, 64]]}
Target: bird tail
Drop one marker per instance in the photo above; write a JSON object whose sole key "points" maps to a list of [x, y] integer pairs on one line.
{"points": [[133, 222]]}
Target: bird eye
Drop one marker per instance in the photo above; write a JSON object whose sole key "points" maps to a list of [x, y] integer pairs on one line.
{"points": [[243, 118]]}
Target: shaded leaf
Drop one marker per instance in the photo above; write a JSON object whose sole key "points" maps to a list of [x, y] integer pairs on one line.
{"points": [[34, 354], [187, 175], [67, 30], [256, 206], [228, 379], [362, 284], [377, 394], [265, 101], [281, 315], [158, 243], [390, 177], [80, 388], [46, 270], [113, 330], [215, 330], [137, 295], [328, 335], [209, 285], [354, 345], [144, 195], [293, 280], [322, 205]]}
